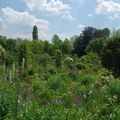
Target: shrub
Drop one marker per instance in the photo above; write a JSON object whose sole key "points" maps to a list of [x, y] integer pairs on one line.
{"points": [[56, 82], [114, 88], [111, 55], [80, 66], [31, 71], [58, 58], [88, 79], [69, 62], [97, 46], [7, 101], [87, 61], [44, 59]]}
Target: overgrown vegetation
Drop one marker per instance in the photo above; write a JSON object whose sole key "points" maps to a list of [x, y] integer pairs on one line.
{"points": [[61, 80]]}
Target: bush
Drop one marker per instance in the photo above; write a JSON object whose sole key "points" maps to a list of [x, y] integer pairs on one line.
{"points": [[114, 88], [44, 59], [87, 79], [80, 66], [58, 58], [7, 101], [31, 71], [97, 46], [55, 83], [87, 61], [111, 55]]}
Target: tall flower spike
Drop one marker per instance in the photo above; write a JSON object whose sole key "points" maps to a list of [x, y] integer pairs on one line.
{"points": [[10, 76], [13, 71], [4, 67], [23, 63]]}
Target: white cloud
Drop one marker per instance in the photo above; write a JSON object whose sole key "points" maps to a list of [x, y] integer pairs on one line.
{"points": [[68, 16], [108, 7], [50, 7], [20, 24], [80, 26], [90, 15], [114, 16]]}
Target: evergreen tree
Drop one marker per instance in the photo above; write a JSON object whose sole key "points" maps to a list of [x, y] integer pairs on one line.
{"points": [[35, 33]]}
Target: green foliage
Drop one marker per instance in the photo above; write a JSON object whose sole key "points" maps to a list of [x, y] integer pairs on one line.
{"points": [[56, 39], [69, 62], [82, 41], [7, 58], [87, 80], [31, 71], [114, 88], [97, 46], [44, 59], [56, 82], [88, 61], [89, 33], [102, 33], [7, 103], [2, 50], [37, 47], [23, 54], [66, 47], [111, 55], [58, 58], [77, 45], [35, 33], [38, 81]]}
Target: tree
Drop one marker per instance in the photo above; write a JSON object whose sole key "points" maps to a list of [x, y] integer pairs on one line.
{"points": [[37, 47], [116, 32], [66, 47], [88, 35], [77, 45], [83, 40], [3, 41], [11, 45], [46, 46], [102, 33], [97, 46], [35, 33], [7, 58], [111, 55], [55, 39]]}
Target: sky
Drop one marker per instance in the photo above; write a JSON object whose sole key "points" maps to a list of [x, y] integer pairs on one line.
{"points": [[65, 18]]}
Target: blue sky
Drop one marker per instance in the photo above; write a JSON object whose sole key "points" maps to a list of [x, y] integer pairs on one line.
{"points": [[63, 17]]}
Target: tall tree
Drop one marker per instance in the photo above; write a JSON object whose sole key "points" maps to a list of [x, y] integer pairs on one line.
{"points": [[35, 33], [97, 45], [83, 40], [55, 39], [88, 34], [102, 33], [66, 46], [77, 45], [111, 55]]}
